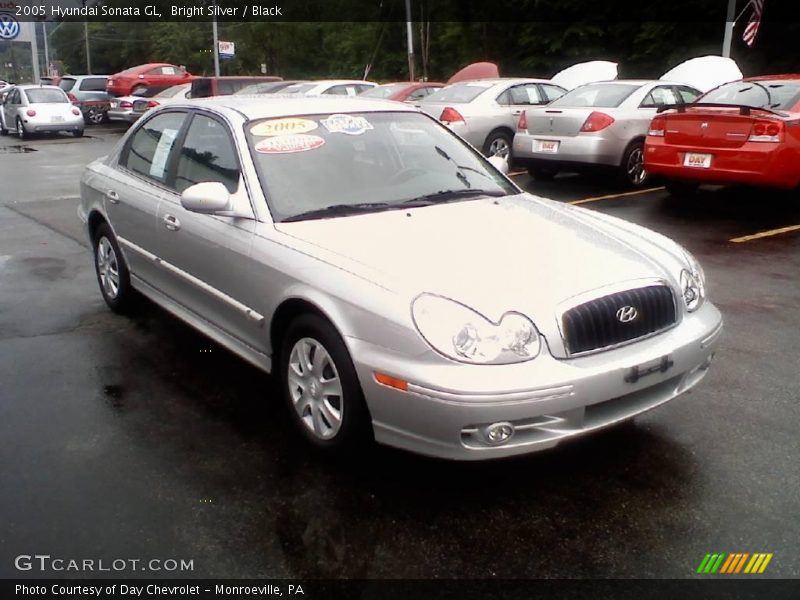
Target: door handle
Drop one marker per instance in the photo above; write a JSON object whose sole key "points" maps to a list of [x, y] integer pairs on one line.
{"points": [[112, 196], [517, 113], [171, 222]]}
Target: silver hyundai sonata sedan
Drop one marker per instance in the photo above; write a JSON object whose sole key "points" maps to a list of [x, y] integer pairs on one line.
{"points": [[396, 283]]}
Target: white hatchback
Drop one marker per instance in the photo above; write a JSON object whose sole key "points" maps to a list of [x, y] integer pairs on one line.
{"points": [[29, 109]]}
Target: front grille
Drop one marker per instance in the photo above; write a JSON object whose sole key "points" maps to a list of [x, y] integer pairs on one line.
{"points": [[595, 324]]}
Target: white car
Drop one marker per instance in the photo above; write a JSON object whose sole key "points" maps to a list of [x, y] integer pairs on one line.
{"points": [[29, 109], [329, 87]]}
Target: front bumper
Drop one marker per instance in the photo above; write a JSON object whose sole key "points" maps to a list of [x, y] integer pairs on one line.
{"points": [[447, 407], [581, 149]]}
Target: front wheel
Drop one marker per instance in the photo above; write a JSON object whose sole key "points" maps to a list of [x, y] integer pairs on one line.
{"points": [[320, 386], [112, 271], [681, 189], [633, 172], [498, 144], [78, 133]]}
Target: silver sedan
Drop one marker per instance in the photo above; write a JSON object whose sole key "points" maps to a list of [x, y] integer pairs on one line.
{"points": [[30, 109], [485, 111], [399, 286], [599, 124]]}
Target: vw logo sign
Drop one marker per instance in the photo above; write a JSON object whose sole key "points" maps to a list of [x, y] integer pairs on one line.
{"points": [[626, 314], [9, 27]]}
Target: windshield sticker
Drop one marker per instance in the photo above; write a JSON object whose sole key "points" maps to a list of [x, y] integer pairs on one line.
{"points": [[159, 164], [288, 144], [283, 126], [347, 124]]}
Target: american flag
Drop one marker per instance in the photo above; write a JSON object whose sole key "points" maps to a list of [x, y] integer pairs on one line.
{"points": [[750, 32]]}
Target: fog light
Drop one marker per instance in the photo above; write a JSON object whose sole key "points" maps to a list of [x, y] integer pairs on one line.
{"points": [[499, 433]]}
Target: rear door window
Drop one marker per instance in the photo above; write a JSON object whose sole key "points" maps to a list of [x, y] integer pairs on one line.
{"points": [[687, 94], [149, 149], [66, 83], [551, 92], [660, 96], [525, 94]]}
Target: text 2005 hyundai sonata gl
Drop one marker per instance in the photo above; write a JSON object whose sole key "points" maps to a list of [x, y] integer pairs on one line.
{"points": [[394, 280]]}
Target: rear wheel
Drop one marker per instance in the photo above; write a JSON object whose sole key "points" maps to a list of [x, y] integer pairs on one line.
{"points": [[95, 116], [498, 144], [23, 135], [3, 130], [681, 189], [320, 386], [633, 172], [112, 271], [542, 173]]}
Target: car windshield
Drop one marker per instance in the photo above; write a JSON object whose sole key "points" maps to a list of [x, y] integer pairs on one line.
{"points": [[383, 91], [460, 92], [327, 165], [774, 94], [46, 96], [596, 95]]}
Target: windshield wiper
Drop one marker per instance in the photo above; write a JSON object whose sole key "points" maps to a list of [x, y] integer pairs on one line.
{"points": [[445, 195], [339, 210]]}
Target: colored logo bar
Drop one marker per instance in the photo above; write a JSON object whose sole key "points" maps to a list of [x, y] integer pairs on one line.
{"points": [[734, 563]]}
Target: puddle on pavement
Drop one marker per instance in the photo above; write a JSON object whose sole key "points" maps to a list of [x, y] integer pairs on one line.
{"points": [[16, 149]]}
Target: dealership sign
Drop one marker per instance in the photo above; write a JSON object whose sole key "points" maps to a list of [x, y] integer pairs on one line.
{"points": [[226, 49]]}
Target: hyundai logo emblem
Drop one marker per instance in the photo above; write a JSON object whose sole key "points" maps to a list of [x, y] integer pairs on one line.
{"points": [[626, 314]]}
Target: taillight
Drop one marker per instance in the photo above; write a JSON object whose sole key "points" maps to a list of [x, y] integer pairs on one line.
{"points": [[522, 124], [151, 103], [72, 97], [450, 115], [126, 104], [766, 131], [76, 112], [30, 113], [657, 127], [596, 121]]}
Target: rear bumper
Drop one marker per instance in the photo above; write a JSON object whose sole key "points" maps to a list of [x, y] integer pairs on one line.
{"points": [[123, 115], [753, 163], [34, 126], [589, 149]]}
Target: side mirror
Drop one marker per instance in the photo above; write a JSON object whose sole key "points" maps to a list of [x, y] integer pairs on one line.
{"points": [[500, 163], [208, 197]]}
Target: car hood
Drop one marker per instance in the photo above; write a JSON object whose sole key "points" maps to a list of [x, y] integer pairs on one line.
{"points": [[586, 72], [515, 253], [704, 72]]}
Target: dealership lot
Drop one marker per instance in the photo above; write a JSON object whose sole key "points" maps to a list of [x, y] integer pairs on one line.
{"points": [[138, 437]]}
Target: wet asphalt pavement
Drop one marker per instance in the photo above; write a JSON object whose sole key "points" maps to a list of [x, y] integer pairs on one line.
{"points": [[139, 438]]}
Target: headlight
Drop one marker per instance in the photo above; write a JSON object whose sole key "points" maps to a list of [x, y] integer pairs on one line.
{"points": [[462, 334], [693, 284]]}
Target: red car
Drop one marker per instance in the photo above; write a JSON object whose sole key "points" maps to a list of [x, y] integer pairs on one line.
{"points": [[151, 76], [403, 91], [743, 132]]}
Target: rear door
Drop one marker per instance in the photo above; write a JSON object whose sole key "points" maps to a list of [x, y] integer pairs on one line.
{"points": [[132, 191], [10, 107], [92, 88]]}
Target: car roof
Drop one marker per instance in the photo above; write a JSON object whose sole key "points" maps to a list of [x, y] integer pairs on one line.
{"points": [[339, 81], [265, 107], [36, 86], [499, 80], [780, 76], [81, 76]]}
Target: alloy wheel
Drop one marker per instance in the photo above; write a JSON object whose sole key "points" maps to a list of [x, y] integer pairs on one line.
{"points": [[315, 388], [636, 172], [108, 268]]}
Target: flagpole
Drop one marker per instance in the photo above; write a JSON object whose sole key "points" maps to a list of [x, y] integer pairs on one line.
{"points": [[729, 23]]}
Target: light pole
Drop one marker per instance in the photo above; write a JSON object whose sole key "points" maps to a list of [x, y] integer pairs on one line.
{"points": [[216, 43], [410, 36], [86, 41], [729, 23]]}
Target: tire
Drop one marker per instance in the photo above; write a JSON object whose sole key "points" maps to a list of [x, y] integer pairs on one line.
{"points": [[3, 130], [95, 116], [498, 143], [23, 135], [112, 272], [542, 173], [632, 168], [681, 189], [336, 421], [78, 133]]}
